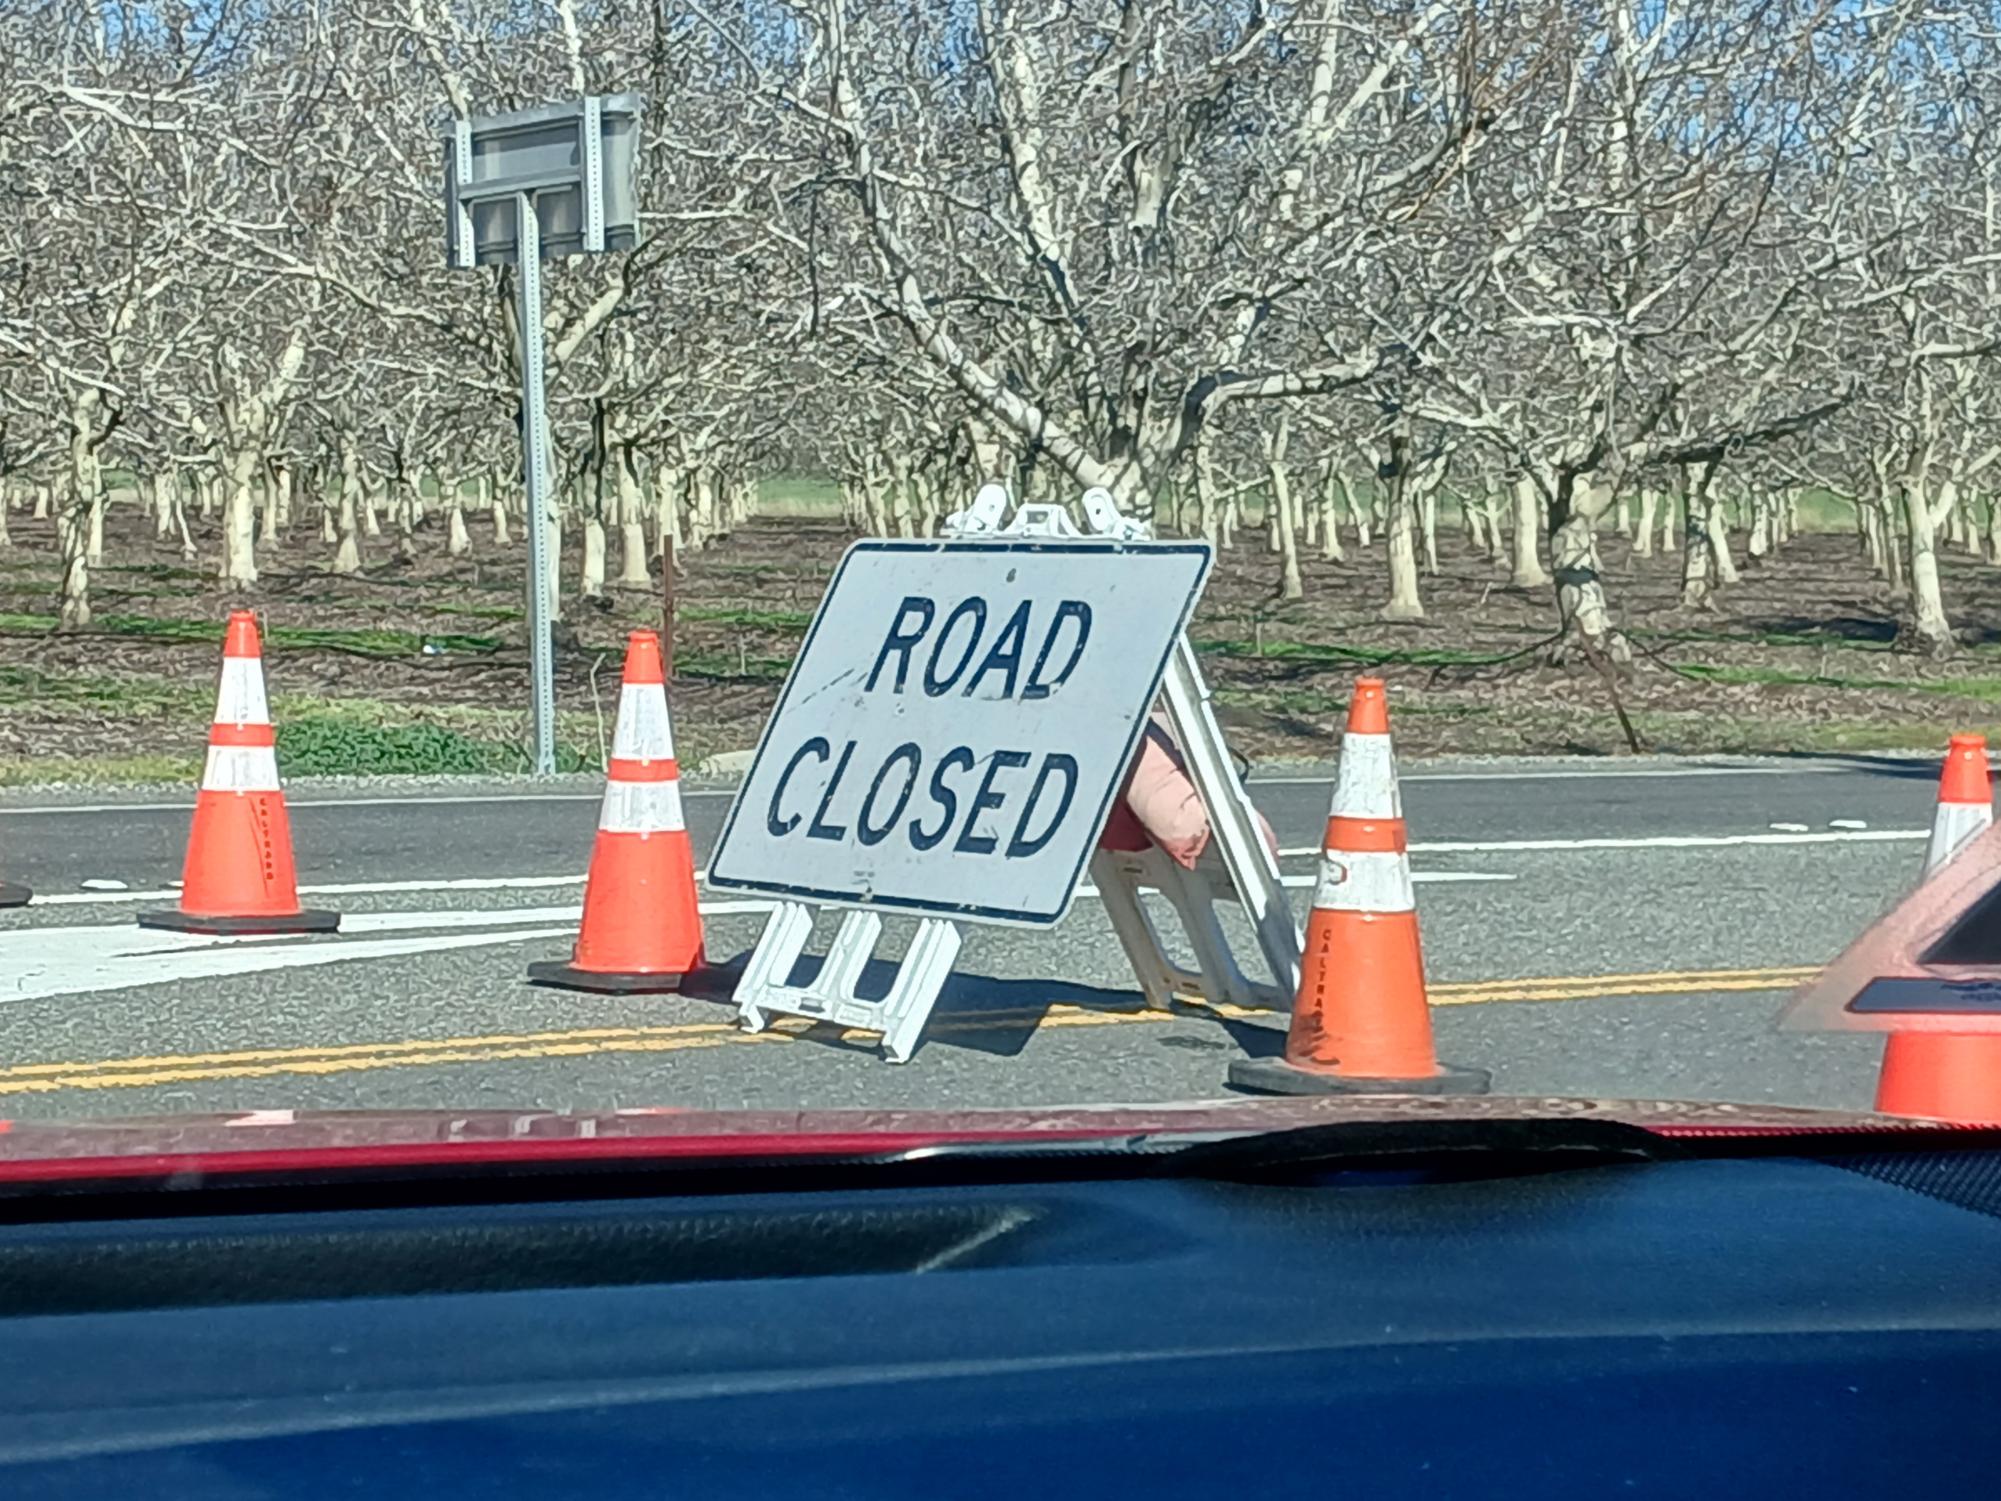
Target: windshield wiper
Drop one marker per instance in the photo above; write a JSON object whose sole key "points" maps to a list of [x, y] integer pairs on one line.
{"points": [[1456, 1148], [1485, 1147]]}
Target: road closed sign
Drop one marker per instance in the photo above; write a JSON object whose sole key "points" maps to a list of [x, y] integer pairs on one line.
{"points": [[956, 725]]}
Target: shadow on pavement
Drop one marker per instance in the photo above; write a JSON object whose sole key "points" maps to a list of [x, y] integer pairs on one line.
{"points": [[985, 1014], [1916, 768]]}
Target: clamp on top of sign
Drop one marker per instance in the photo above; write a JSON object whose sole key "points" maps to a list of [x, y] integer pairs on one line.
{"points": [[984, 518]]}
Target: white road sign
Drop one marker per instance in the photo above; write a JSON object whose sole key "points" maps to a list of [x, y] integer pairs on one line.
{"points": [[956, 724]]}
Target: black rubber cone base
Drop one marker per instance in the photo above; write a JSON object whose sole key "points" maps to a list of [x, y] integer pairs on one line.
{"points": [[1276, 1076], [306, 920], [13, 896], [566, 976]]}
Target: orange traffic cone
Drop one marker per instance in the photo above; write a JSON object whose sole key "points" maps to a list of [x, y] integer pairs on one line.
{"points": [[1361, 1024], [1948, 1076], [239, 876], [642, 929]]}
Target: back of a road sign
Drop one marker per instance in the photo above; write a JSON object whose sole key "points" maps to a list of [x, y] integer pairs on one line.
{"points": [[956, 724]]}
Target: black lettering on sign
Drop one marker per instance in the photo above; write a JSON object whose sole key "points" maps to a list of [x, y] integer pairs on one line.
{"points": [[1070, 609], [969, 843], [869, 832], [902, 641], [819, 828], [975, 610], [1005, 654], [780, 827], [961, 757], [1021, 843]]}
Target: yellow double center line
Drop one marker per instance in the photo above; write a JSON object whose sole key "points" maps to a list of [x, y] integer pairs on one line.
{"points": [[506, 1047]]}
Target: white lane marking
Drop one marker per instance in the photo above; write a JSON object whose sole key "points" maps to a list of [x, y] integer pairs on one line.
{"points": [[1667, 842], [500, 917], [1422, 877], [42, 962], [1847, 823], [1569, 773], [1644, 842], [356, 921], [351, 888], [296, 801], [1788, 828]]}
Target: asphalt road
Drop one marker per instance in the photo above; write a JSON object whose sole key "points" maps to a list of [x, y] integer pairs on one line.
{"points": [[1608, 929]]}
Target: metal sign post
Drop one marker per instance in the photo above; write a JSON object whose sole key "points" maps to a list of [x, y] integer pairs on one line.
{"points": [[535, 473], [551, 181]]}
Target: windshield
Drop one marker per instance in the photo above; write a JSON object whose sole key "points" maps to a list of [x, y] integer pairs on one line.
{"points": [[587, 557]]}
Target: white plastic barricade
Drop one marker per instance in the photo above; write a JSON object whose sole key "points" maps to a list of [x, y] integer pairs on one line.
{"points": [[948, 745]]}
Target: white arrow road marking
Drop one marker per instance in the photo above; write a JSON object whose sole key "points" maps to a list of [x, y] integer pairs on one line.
{"points": [[351, 888], [41, 962]]}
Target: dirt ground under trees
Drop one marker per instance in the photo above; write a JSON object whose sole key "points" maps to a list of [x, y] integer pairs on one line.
{"points": [[420, 666]]}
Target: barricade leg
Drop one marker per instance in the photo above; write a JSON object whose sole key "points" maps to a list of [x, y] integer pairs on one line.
{"points": [[770, 967], [919, 979], [1135, 930]]}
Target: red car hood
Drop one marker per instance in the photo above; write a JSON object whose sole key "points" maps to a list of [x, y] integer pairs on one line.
{"points": [[284, 1140]]}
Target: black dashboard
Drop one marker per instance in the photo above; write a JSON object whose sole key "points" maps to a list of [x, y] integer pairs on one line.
{"points": [[1749, 1326]]}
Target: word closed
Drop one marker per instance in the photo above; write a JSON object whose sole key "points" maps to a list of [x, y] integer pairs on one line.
{"points": [[956, 724]]}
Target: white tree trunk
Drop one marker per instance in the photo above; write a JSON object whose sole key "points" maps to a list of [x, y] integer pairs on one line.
{"points": [[1759, 543], [1357, 512], [1698, 559], [1719, 544], [239, 524], [1285, 531], [347, 549], [405, 506], [73, 537], [1330, 518], [1930, 625], [1643, 536], [591, 585], [667, 487], [1404, 603], [73, 517], [1427, 512], [633, 572], [1580, 592], [1528, 570], [496, 511], [277, 503], [97, 527], [703, 522]]}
